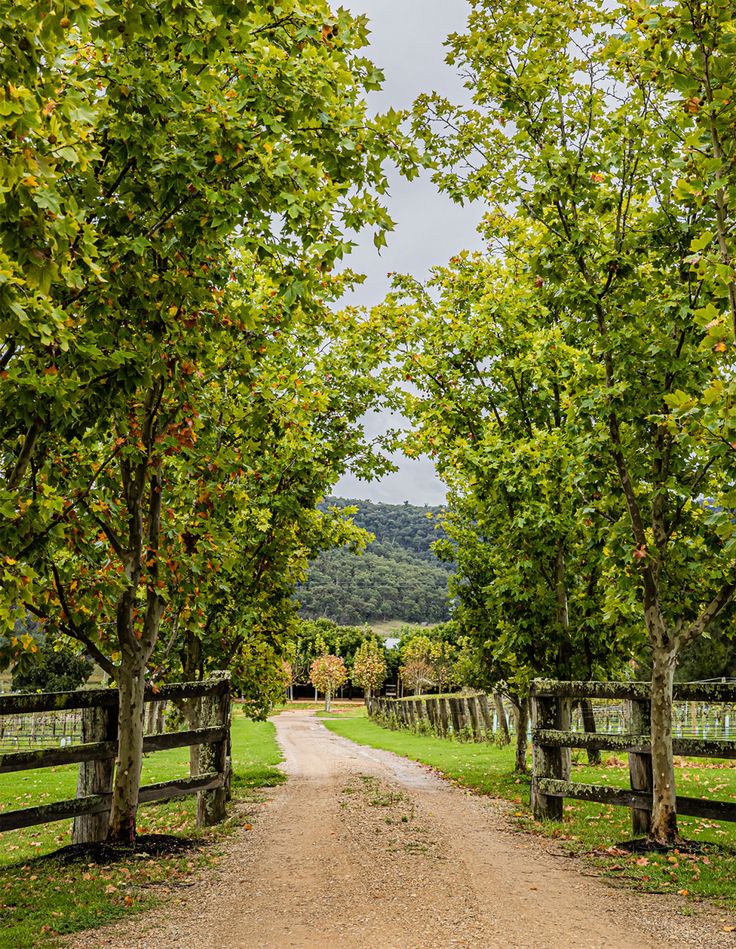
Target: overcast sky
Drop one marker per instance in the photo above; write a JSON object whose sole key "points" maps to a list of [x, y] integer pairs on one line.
{"points": [[407, 39]]}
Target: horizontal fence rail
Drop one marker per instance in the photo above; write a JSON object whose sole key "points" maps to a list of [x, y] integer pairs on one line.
{"points": [[553, 737], [209, 702], [638, 691]]}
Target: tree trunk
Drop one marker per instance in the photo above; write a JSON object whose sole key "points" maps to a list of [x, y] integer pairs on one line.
{"points": [[586, 710], [522, 722], [131, 687], [664, 810], [328, 701], [503, 724]]}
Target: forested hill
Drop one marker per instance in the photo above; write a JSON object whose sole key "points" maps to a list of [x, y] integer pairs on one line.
{"points": [[398, 577]]}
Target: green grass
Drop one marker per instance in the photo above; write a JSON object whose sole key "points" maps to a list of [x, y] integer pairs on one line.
{"points": [[589, 830], [390, 627], [42, 898]]}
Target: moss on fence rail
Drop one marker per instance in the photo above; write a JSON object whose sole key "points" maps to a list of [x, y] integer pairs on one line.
{"points": [[638, 691]]}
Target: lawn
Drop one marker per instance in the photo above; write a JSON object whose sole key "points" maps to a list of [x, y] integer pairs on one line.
{"points": [[40, 898], [589, 830]]}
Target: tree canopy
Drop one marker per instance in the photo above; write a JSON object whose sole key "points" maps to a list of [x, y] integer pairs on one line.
{"points": [[596, 138], [183, 179]]}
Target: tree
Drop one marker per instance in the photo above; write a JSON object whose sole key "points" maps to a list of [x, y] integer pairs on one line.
{"points": [[417, 674], [327, 674], [313, 638], [57, 373], [369, 667], [54, 668], [416, 670], [566, 136], [230, 150], [444, 658], [489, 367], [40, 663]]}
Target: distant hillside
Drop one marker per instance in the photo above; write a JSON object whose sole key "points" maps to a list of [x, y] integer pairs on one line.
{"points": [[398, 577], [404, 525]]}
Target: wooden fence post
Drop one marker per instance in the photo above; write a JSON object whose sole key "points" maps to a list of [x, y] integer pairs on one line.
{"points": [[501, 717], [566, 725], [485, 711], [462, 712], [482, 717], [214, 710], [454, 717], [430, 707], [95, 777], [443, 716], [547, 761], [467, 720], [637, 715], [475, 717]]}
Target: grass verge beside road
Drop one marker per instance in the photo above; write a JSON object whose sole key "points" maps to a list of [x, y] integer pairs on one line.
{"points": [[42, 897], [589, 830]]}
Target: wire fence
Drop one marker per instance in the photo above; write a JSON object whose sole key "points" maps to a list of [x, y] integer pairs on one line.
{"points": [[27, 731]]}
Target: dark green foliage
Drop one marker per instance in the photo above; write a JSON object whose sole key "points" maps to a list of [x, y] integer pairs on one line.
{"points": [[408, 526], [398, 577], [711, 657], [314, 637], [51, 670]]}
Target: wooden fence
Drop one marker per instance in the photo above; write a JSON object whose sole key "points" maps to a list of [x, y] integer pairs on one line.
{"points": [[552, 738], [210, 701], [464, 716], [61, 728]]}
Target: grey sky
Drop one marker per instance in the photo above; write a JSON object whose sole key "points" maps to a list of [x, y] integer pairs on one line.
{"points": [[407, 39]]}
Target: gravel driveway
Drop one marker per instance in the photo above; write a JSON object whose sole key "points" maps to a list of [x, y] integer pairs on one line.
{"points": [[361, 848]]}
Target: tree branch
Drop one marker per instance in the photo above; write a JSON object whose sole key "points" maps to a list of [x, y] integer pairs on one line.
{"points": [[16, 476], [719, 602]]}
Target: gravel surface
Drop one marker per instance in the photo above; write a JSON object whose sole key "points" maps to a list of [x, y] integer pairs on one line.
{"points": [[361, 848]]}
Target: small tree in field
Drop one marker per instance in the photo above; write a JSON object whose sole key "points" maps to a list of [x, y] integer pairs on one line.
{"points": [[417, 674], [369, 667], [327, 674]]}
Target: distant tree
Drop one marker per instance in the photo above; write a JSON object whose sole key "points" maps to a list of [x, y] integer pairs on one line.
{"points": [[327, 674], [52, 668], [369, 667], [444, 660], [417, 674], [314, 638], [288, 671]]}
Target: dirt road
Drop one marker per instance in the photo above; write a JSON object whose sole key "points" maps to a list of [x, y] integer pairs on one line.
{"points": [[363, 849]]}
